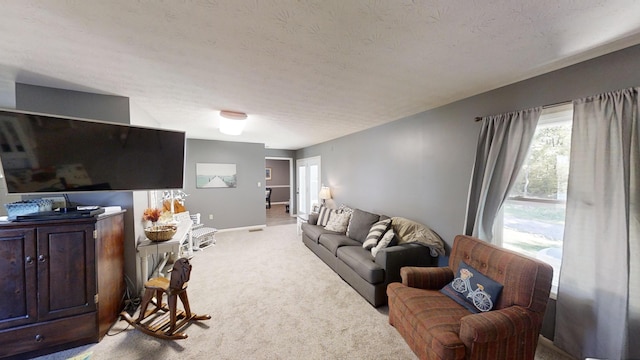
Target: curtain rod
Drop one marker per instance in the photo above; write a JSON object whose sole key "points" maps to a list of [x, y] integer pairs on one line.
{"points": [[479, 118]]}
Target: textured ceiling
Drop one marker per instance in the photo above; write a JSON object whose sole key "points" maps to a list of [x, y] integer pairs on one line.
{"points": [[304, 71]]}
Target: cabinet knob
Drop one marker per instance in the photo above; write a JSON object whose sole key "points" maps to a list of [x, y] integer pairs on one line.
{"points": [[29, 260], [41, 258], [39, 338]]}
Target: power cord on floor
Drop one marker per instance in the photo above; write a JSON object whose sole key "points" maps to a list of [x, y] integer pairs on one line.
{"points": [[131, 302]]}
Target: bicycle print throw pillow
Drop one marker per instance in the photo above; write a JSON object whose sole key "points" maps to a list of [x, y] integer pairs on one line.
{"points": [[472, 289]]}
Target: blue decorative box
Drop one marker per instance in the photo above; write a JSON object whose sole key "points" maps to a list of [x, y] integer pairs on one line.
{"points": [[18, 208]]}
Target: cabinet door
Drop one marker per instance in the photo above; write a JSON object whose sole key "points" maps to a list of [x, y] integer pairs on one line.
{"points": [[18, 292], [66, 270]]}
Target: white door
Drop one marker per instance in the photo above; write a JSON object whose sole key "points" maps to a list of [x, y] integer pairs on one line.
{"points": [[308, 175]]}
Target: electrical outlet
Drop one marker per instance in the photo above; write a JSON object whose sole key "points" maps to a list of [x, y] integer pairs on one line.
{"points": [[210, 216]]}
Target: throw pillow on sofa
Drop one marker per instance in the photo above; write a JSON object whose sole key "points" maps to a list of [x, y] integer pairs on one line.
{"points": [[344, 208], [338, 222], [360, 224], [324, 214], [376, 232], [387, 240], [473, 290]]}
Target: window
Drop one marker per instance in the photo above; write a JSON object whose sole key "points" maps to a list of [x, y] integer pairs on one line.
{"points": [[533, 215]]}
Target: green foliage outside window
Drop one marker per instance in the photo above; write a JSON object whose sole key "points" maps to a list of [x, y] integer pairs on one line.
{"points": [[545, 173]]}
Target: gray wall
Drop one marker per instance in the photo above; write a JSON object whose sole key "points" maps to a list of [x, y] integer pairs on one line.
{"points": [[96, 107], [242, 206], [419, 167], [279, 153], [72, 103]]}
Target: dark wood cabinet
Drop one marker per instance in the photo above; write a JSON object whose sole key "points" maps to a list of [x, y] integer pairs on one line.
{"points": [[61, 283], [18, 288]]}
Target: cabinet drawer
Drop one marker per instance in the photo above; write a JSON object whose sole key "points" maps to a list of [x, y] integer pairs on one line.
{"points": [[81, 328]]}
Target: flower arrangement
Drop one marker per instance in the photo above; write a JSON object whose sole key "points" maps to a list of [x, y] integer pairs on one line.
{"points": [[152, 215], [166, 217]]}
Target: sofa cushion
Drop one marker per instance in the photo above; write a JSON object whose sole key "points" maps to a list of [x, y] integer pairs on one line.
{"points": [[361, 261], [360, 224], [375, 233], [312, 218], [429, 317], [313, 232], [472, 289], [333, 241], [338, 222]]}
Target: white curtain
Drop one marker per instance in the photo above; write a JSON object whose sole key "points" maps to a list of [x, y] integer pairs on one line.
{"points": [[598, 304], [502, 148]]}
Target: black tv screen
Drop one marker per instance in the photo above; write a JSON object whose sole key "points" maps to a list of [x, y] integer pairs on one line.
{"points": [[53, 154]]}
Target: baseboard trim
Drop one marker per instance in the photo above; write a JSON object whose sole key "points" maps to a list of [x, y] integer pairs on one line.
{"points": [[249, 228]]}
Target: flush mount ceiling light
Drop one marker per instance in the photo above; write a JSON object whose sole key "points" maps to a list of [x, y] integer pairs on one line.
{"points": [[232, 122]]}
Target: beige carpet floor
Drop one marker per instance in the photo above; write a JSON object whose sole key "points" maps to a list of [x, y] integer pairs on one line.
{"points": [[269, 298]]}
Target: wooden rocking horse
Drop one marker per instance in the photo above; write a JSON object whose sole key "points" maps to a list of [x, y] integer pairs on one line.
{"points": [[166, 325]]}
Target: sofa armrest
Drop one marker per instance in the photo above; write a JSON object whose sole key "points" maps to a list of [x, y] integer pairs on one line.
{"points": [[313, 219], [429, 278], [496, 325], [393, 258]]}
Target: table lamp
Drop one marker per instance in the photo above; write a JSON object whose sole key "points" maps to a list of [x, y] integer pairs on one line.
{"points": [[325, 194]]}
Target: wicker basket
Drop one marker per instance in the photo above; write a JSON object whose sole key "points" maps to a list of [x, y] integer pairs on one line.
{"points": [[25, 207], [160, 232]]}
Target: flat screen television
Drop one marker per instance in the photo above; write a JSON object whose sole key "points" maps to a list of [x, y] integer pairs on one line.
{"points": [[53, 154]]}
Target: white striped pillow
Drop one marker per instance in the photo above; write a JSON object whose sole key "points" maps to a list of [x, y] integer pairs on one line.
{"points": [[323, 217], [383, 243], [375, 233]]}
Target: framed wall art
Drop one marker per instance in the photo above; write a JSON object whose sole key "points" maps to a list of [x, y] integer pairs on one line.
{"points": [[209, 175]]}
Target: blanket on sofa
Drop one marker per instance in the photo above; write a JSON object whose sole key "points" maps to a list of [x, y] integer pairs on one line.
{"points": [[409, 231]]}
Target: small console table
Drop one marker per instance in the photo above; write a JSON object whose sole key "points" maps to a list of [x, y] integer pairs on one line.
{"points": [[148, 247]]}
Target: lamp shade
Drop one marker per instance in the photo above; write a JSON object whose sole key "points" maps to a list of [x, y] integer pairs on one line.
{"points": [[325, 193], [232, 122]]}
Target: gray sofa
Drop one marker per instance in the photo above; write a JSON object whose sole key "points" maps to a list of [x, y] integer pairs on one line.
{"points": [[368, 275]]}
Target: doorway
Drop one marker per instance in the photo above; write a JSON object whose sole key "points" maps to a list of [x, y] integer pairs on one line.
{"points": [[279, 179], [308, 175]]}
